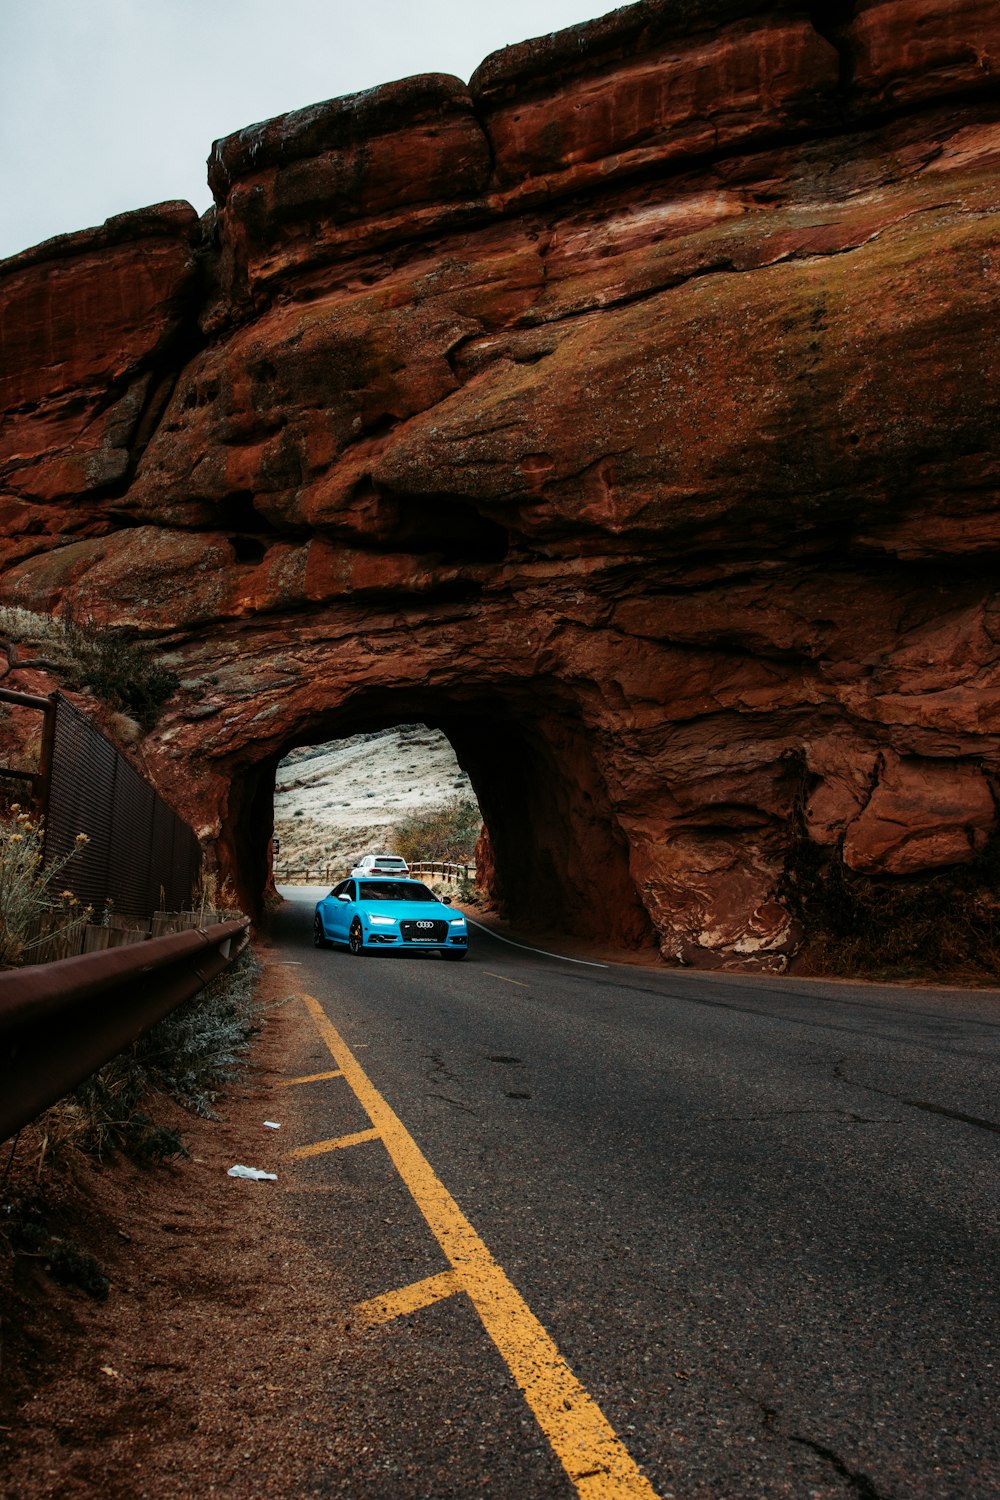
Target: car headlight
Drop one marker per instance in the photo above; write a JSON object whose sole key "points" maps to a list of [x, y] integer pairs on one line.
{"points": [[456, 922], [382, 921]]}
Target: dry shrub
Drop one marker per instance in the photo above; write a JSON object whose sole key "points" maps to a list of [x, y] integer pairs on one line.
{"points": [[190, 1055], [124, 672], [24, 1232], [216, 900], [447, 833], [44, 632], [25, 887], [944, 926], [203, 1044]]}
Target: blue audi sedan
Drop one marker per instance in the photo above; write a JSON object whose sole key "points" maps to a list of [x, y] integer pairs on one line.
{"points": [[371, 915]]}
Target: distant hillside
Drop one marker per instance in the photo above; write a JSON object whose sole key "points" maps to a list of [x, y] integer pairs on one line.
{"points": [[335, 802]]}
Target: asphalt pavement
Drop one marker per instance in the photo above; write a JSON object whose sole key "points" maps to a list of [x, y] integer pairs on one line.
{"points": [[756, 1220]]}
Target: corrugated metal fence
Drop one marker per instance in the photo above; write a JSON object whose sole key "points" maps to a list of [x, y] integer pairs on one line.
{"points": [[140, 855]]}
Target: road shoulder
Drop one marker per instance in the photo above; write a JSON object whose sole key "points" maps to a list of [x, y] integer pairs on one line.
{"points": [[219, 1327]]}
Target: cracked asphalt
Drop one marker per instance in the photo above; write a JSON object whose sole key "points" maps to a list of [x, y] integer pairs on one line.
{"points": [[759, 1218]]}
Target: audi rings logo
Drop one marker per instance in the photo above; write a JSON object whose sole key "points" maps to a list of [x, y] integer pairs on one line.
{"points": [[425, 924]]}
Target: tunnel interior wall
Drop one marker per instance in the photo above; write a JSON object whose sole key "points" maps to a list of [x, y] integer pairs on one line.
{"points": [[558, 859]]}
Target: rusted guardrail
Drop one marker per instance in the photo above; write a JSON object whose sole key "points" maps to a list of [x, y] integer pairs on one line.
{"points": [[60, 1022]]}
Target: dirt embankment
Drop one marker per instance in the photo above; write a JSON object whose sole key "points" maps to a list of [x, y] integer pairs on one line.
{"points": [[203, 1367]]}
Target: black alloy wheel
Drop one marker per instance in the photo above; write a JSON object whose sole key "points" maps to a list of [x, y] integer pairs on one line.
{"points": [[319, 939], [355, 939]]}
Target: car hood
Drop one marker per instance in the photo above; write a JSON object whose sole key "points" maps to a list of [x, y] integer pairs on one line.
{"points": [[409, 911]]}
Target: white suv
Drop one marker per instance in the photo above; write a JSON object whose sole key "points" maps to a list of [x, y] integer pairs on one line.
{"points": [[382, 864]]}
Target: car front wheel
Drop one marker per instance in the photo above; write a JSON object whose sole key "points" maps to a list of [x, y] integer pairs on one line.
{"points": [[455, 954], [356, 939], [319, 937]]}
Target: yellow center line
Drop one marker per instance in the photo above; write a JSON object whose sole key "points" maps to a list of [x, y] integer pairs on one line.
{"points": [[521, 982], [410, 1298], [286, 1083], [594, 1457], [337, 1144]]}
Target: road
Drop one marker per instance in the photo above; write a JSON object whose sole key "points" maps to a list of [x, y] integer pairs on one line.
{"points": [[757, 1220]]}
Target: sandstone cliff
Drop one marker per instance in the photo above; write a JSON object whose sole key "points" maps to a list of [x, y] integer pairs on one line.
{"points": [[630, 414]]}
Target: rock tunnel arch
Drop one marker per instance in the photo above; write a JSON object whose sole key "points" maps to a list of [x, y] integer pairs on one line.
{"points": [[557, 857], [647, 458]]}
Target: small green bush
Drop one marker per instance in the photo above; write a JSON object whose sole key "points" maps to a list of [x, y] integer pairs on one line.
{"points": [[443, 833]]}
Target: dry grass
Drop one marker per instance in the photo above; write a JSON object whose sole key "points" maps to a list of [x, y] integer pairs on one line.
{"points": [[26, 887], [944, 926], [308, 844], [123, 672], [45, 632], [190, 1056]]}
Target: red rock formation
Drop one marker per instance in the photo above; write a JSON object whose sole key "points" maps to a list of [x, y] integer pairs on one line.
{"points": [[630, 413]]}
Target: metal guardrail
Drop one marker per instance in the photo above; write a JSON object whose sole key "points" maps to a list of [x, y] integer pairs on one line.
{"points": [[60, 1022]]}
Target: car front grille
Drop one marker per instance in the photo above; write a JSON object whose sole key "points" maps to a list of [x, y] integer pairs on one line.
{"points": [[421, 932]]}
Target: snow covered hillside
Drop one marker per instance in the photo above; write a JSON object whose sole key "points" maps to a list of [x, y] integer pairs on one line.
{"points": [[333, 803]]}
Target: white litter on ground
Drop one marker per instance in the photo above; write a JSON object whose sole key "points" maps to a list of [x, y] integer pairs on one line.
{"points": [[272, 1125], [254, 1174]]}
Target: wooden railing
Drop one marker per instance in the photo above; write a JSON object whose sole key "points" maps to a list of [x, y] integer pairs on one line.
{"points": [[330, 874], [443, 870], [54, 935]]}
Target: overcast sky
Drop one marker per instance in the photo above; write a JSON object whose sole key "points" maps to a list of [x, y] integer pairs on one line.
{"points": [[109, 105]]}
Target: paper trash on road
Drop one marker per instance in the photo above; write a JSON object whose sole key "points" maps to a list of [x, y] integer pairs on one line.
{"points": [[254, 1173], [272, 1125]]}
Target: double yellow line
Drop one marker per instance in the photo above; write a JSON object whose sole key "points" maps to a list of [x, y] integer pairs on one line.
{"points": [[587, 1446]]}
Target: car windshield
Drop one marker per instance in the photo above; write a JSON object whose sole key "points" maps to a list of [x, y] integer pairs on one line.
{"points": [[395, 890]]}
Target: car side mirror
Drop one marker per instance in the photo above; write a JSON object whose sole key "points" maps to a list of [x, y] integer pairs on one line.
{"points": [[445, 900], [343, 896]]}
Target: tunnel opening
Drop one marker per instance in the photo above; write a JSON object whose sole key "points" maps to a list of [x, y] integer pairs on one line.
{"points": [[552, 857], [398, 790]]}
